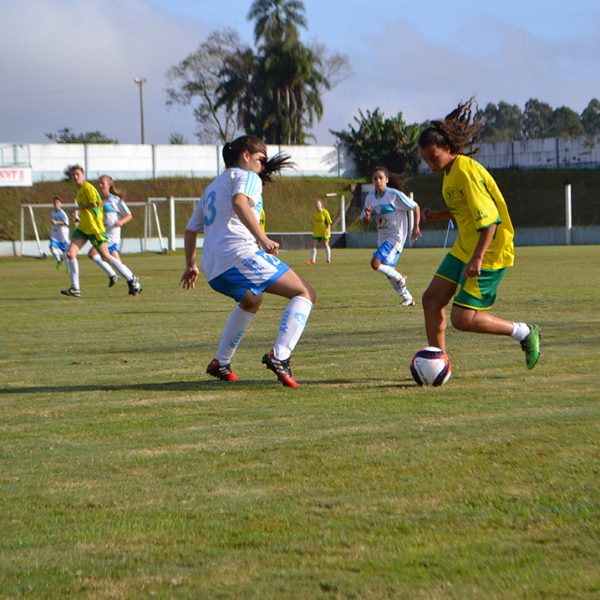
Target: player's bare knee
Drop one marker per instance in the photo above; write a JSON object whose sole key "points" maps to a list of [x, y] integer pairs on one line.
{"points": [[462, 319]]}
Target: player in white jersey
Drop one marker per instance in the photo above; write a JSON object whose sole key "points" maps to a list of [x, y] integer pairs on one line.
{"points": [[239, 260], [390, 208], [59, 232], [116, 214]]}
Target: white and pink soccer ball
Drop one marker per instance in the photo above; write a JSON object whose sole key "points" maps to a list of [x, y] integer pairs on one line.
{"points": [[431, 366]]}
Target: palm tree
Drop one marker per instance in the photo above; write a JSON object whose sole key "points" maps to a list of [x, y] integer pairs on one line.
{"points": [[276, 20]]}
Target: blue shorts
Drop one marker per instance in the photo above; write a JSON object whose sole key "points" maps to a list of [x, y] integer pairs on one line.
{"points": [[62, 246], [388, 254], [112, 248], [255, 273]]}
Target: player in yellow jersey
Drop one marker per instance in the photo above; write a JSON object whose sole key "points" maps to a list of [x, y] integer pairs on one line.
{"points": [[321, 231], [91, 228], [472, 270]]}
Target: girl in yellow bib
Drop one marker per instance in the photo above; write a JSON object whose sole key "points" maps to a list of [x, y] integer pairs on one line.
{"points": [[472, 270], [321, 231]]}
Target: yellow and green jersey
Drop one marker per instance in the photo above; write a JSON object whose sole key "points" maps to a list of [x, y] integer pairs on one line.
{"points": [[476, 203], [321, 223], [90, 221]]}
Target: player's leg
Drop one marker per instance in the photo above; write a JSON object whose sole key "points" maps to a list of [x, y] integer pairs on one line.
{"points": [[56, 252], [96, 258], [121, 268], [73, 264], [470, 313], [313, 253], [238, 322], [327, 250], [435, 299], [384, 261], [293, 321]]}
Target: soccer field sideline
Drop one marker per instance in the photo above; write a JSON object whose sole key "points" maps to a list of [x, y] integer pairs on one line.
{"points": [[127, 472]]}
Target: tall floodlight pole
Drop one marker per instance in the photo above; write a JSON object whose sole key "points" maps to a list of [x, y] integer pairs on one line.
{"points": [[140, 81]]}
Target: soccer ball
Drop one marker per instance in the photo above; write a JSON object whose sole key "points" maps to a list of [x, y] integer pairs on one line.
{"points": [[430, 366]]}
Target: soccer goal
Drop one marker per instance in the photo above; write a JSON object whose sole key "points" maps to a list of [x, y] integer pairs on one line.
{"points": [[143, 234]]}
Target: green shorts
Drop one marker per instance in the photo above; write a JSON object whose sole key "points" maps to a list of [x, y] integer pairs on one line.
{"points": [[322, 239], [477, 293], [96, 239]]}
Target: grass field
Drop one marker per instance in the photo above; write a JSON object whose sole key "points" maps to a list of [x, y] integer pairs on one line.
{"points": [[126, 473]]}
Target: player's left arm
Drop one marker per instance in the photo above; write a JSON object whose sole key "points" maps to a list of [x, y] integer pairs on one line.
{"points": [[416, 232], [124, 215]]}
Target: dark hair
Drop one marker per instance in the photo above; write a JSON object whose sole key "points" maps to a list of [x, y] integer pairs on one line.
{"points": [[74, 168], [396, 180], [250, 143], [459, 129], [112, 189]]}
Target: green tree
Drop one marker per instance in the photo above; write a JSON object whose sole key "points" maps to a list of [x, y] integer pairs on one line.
{"points": [[566, 123], [67, 136], [538, 119], [197, 79], [590, 117], [375, 140], [276, 20], [177, 139], [503, 122]]}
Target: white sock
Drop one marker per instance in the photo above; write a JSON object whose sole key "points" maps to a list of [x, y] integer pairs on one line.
{"points": [[328, 253], [103, 265], [293, 322], [313, 255], [73, 265], [121, 268], [390, 272], [232, 334], [520, 331]]}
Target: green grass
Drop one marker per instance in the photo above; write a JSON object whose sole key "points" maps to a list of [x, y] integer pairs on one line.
{"points": [[126, 473]]}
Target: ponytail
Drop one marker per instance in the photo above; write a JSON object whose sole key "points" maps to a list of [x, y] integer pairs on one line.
{"points": [[459, 130]]}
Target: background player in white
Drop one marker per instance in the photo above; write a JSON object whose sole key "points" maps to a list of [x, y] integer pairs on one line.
{"points": [[59, 232], [116, 214], [238, 259], [390, 207]]}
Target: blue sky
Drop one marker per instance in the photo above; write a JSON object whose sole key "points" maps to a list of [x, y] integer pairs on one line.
{"points": [[72, 65]]}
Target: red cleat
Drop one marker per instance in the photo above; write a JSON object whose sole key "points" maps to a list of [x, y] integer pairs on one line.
{"points": [[220, 371], [281, 368]]}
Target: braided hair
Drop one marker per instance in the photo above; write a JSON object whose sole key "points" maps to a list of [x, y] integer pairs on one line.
{"points": [[459, 129]]}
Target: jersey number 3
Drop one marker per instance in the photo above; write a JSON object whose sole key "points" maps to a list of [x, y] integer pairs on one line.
{"points": [[210, 214]]}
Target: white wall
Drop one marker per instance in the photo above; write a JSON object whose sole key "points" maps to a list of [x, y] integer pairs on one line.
{"points": [[136, 161], [131, 161]]}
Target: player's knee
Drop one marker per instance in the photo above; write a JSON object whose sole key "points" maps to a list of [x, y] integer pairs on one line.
{"points": [[310, 293], [430, 302], [462, 319]]}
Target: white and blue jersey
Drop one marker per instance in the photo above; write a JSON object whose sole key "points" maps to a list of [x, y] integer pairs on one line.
{"points": [[226, 239], [390, 211], [59, 234], [114, 209]]}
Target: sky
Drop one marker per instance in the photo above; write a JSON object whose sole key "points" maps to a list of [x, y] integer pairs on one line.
{"points": [[71, 63]]}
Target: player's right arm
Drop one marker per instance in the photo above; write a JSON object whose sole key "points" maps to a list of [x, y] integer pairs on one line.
{"points": [[194, 226], [429, 215], [191, 272], [244, 212]]}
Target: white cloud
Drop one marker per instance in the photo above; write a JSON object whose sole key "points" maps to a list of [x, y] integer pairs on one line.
{"points": [[74, 47]]}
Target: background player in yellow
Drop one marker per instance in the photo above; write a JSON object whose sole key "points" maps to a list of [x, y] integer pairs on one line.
{"points": [[321, 231], [474, 267], [91, 228]]}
